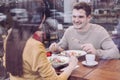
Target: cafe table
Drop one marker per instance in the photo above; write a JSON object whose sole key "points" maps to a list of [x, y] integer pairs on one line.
{"points": [[105, 70]]}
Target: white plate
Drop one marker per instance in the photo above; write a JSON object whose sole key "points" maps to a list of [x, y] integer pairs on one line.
{"points": [[58, 60], [77, 53], [93, 63]]}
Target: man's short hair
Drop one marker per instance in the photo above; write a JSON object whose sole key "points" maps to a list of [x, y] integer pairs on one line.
{"points": [[84, 6]]}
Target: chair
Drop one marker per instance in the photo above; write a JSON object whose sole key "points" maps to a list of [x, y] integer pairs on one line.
{"points": [[116, 40]]}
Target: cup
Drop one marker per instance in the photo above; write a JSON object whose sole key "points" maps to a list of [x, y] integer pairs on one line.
{"points": [[90, 58]]}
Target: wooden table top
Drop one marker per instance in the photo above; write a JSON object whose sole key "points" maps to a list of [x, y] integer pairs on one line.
{"points": [[105, 70]]}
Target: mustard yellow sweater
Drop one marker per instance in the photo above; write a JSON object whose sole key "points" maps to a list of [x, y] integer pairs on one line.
{"points": [[36, 65]]}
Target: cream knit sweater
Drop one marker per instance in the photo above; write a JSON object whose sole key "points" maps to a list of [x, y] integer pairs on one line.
{"points": [[96, 35]]}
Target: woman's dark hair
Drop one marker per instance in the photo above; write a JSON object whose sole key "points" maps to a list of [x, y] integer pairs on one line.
{"points": [[84, 6], [15, 45]]}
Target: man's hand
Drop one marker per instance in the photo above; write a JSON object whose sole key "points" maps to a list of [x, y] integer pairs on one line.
{"points": [[89, 48], [53, 47]]}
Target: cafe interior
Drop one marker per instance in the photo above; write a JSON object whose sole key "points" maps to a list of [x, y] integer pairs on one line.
{"points": [[104, 12]]}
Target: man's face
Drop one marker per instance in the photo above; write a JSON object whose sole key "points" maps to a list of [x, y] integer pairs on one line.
{"points": [[79, 18]]}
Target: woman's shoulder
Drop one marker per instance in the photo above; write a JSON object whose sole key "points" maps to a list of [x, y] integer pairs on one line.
{"points": [[34, 43], [34, 46], [33, 51]]}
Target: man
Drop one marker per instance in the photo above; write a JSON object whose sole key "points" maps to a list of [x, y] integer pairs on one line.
{"points": [[83, 35]]}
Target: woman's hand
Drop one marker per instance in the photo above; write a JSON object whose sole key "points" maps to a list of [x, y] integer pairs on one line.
{"points": [[72, 64]]}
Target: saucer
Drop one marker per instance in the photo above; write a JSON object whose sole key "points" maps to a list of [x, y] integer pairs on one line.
{"points": [[93, 63]]}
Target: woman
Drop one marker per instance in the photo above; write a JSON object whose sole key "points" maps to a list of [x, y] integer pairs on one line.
{"points": [[25, 56]]}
